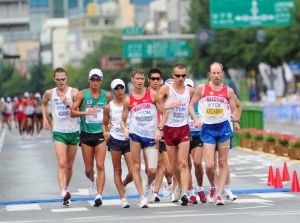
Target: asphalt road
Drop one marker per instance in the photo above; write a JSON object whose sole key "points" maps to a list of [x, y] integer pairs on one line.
{"points": [[29, 190]]}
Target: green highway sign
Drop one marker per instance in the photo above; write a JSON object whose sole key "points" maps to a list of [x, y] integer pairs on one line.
{"points": [[250, 13], [137, 30], [153, 49]]}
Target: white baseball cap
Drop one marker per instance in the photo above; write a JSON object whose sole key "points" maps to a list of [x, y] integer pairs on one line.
{"points": [[169, 81], [117, 82], [37, 95], [189, 82], [97, 72], [2, 100], [8, 99], [26, 95]]}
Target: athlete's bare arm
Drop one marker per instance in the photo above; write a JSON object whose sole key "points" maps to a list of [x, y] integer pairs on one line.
{"points": [[45, 101], [124, 117], [105, 122], [197, 95]]}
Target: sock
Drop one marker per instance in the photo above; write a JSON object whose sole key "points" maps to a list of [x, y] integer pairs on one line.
{"points": [[191, 193], [63, 192], [199, 188]]}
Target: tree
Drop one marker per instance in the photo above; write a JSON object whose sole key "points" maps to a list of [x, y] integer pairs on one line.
{"points": [[37, 76]]}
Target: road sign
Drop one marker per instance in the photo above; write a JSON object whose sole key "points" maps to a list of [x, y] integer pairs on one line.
{"points": [[250, 13], [151, 49], [132, 30]]}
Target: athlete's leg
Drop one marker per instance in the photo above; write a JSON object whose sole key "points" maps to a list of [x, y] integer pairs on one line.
{"points": [[100, 153]]}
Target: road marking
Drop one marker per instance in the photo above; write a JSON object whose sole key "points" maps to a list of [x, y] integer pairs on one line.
{"points": [[251, 200], [67, 209], [2, 139], [249, 207], [23, 207], [274, 195], [82, 192]]}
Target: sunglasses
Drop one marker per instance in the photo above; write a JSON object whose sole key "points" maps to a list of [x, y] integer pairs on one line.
{"points": [[60, 78], [96, 79], [155, 78], [180, 75], [119, 87]]}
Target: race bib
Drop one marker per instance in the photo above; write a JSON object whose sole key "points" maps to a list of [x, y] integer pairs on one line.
{"points": [[63, 114], [96, 118], [214, 112]]}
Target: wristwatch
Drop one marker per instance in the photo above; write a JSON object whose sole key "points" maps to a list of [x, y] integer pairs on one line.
{"points": [[160, 128], [238, 122]]}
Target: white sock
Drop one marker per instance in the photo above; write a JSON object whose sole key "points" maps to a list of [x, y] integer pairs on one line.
{"points": [[191, 193], [198, 188]]}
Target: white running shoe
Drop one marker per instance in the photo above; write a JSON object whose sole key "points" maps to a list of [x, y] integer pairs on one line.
{"points": [[219, 200], [92, 188], [167, 190], [172, 198], [144, 202], [177, 193], [156, 197], [230, 196], [124, 203], [211, 195], [150, 195]]}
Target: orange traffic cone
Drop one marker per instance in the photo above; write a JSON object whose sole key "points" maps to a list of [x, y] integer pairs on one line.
{"points": [[271, 177], [295, 183], [277, 181], [285, 173]]}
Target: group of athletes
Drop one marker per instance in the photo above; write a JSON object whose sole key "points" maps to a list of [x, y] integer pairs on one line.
{"points": [[172, 125], [24, 112]]}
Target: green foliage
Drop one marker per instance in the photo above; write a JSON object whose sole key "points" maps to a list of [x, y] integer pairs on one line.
{"points": [[14, 86], [37, 76]]}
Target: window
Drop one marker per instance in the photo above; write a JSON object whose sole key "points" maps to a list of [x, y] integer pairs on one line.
{"points": [[73, 4], [38, 3], [94, 21], [108, 22]]}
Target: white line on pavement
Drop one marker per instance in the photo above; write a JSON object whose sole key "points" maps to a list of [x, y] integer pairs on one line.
{"points": [[2, 139]]}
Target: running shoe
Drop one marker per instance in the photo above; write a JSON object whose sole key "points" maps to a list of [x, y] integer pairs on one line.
{"points": [[167, 190], [157, 199], [66, 199], [230, 196], [219, 200], [150, 195], [124, 203], [211, 195], [144, 203], [98, 201], [172, 198], [202, 196], [184, 200], [177, 193], [193, 200], [92, 188]]}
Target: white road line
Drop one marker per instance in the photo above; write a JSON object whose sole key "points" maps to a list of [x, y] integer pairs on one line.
{"points": [[273, 195], [251, 200], [2, 139], [244, 208], [23, 207], [67, 209]]}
